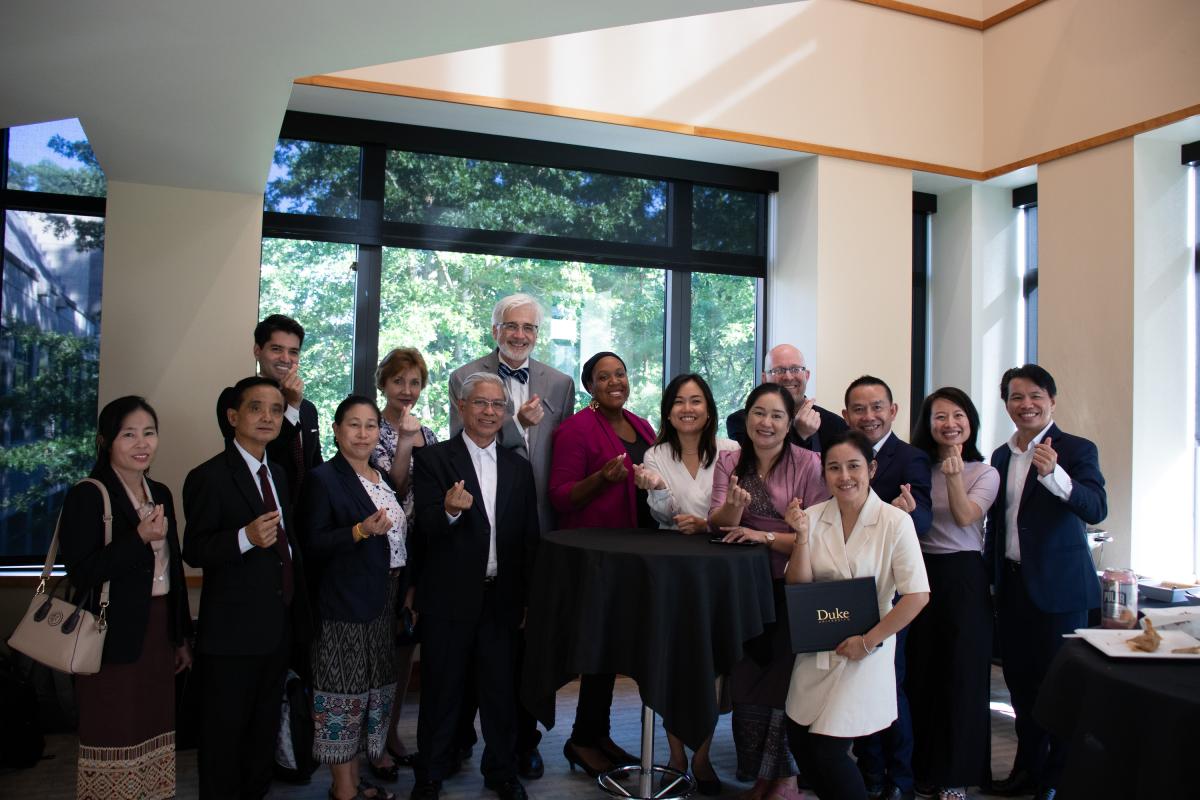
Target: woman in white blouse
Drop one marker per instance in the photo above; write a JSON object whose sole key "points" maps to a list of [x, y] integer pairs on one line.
{"points": [[677, 473], [837, 695]]}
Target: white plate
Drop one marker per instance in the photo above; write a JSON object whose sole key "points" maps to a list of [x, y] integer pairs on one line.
{"points": [[1112, 642]]}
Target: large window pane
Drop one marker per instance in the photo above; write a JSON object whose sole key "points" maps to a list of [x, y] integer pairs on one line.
{"points": [[722, 340], [497, 196], [441, 303], [49, 345], [314, 178], [313, 282], [53, 157], [725, 220]]}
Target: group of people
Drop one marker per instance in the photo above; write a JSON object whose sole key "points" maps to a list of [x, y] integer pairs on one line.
{"points": [[325, 568]]}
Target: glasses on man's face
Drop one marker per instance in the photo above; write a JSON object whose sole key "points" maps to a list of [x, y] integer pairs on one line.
{"points": [[513, 327], [480, 404], [779, 372]]}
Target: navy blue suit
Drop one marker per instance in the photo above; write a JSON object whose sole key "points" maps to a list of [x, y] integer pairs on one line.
{"points": [[1049, 591], [889, 752]]}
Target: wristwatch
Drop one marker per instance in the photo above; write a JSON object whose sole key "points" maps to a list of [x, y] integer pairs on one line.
{"points": [[770, 538]]}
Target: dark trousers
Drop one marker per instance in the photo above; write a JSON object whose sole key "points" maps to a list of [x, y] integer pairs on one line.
{"points": [[1029, 639], [888, 753], [455, 653], [239, 722], [949, 659], [825, 763], [528, 734], [593, 709]]}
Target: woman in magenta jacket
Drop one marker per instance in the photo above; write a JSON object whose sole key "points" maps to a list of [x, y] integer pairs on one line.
{"points": [[592, 486]]}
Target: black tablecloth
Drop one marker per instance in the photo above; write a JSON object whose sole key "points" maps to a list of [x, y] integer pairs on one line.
{"points": [[670, 611], [1130, 725]]}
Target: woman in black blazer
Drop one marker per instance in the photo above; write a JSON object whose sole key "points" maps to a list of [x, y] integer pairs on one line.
{"points": [[352, 529], [127, 710]]}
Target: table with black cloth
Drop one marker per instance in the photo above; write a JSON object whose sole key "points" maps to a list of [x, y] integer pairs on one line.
{"points": [[669, 610], [1129, 724]]}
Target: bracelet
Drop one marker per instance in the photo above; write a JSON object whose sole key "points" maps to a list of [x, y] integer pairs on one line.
{"points": [[863, 639], [358, 532]]}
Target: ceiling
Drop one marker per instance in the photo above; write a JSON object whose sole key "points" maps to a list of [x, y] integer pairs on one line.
{"points": [[191, 94]]}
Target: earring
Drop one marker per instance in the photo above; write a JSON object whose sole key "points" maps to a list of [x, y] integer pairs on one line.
{"points": [[594, 404]]}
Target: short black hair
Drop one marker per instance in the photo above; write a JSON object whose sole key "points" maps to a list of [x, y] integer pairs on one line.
{"points": [[277, 322], [111, 418], [1030, 372], [856, 439], [585, 374], [350, 402], [231, 397], [866, 380], [923, 434]]}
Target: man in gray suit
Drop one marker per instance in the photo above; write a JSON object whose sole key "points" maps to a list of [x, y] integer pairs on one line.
{"points": [[541, 397]]}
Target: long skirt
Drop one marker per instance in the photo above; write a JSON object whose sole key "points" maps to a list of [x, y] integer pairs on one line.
{"points": [[949, 673], [127, 721], [354, 686]]}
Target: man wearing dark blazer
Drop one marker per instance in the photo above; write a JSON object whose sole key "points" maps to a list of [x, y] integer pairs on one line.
{"points": [[253, 603], [1051, 488], [902, 478], [476, 512], [541, 398], [813, 426], [277, 343]]}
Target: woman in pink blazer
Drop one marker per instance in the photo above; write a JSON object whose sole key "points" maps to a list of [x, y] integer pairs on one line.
{"points": [[592, 486]]}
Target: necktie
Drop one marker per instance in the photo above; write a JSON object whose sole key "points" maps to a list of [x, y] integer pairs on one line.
{"points": [[281, 540], [520, 374]]}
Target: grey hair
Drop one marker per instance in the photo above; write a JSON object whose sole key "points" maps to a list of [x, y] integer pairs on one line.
{"points": [[476, 378], [519, 300]]}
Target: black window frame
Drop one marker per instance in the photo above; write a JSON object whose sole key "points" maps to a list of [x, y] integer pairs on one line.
{"points": [[1024, 198], [924, 207], [371, 232]]}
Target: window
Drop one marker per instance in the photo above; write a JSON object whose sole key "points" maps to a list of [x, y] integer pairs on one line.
{"points": [[657, 259], [924, 207], [53, 243], [1190, 156], [1025, 199]]}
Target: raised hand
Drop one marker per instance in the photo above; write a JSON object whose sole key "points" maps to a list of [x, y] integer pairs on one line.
{"points": [[807, 420], [614, 471], [531, 412], [904, 501], [293, 387], [647, 479], [689, 523], [953, 463], [408, 424], [797, 520], [154, 527], [736, 497], [263, 531], [1045, 459], [377, 524], [458, 499]]}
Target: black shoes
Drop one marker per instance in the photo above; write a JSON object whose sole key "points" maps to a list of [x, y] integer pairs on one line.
{"points": [[709, 787], [576, 759], [1016, 784], [425, 790], [894, 793], [508, 789], [530, 764], [619, 757]]}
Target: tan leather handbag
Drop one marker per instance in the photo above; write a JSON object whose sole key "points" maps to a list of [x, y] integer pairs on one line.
{"points": [[56, 633]]}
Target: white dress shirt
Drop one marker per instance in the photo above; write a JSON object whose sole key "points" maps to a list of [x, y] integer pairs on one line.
{"points": [[683, 493], [484, 459], [253, 464], [1057, 482], [519, 392], [882, 442]]}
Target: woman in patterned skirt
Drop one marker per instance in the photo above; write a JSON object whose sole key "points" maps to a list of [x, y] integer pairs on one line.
{"points": [[352, 527], [127, 710]]}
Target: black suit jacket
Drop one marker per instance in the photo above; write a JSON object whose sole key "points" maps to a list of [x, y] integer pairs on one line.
{"points": [[242, 611], [350, 578], [128, 563], [454, 556], [831, 425], [1056, 561], [280, 451], [897, 463]]}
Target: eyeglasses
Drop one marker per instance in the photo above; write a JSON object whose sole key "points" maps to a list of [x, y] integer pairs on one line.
{"points": [[479, 404], [781, 371], [513, 327]]}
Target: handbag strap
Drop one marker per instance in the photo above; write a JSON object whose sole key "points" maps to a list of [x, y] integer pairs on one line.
{"points": [[53, 551]]}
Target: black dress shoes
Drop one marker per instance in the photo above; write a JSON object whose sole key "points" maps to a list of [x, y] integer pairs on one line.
{"points": [[893, 792], [1016, 784], [508, 789], [425, 790], [530, 765]]}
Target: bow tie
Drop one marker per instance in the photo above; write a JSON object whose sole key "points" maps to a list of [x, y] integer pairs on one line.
{"points": [[521, 374]]}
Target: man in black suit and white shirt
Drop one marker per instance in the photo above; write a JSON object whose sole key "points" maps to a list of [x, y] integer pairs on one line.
{"points": [[477, 521], [541, 398], [277, 343], [813, 425], [902, 478], [253, 604]]}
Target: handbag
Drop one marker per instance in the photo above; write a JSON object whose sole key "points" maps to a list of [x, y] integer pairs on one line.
{"points": [[59, 634]]}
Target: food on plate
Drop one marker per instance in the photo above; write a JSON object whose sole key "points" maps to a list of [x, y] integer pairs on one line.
{"points": [[1148, 640], [1192, 651]]}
